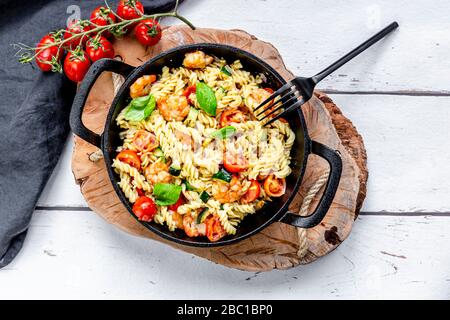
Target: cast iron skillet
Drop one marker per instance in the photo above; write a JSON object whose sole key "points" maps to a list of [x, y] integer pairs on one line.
{"points": [[276, 210]]}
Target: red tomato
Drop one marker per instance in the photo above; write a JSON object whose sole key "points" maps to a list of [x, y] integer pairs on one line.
{"points": [[252, 193], [214, 229], [176, 205], [77, 27], [235, 163], [129, 157], [140, 192], [130, 9], [269, 90], [102, 16], [145, 209], [232, 116], [145, 141], [274, 187], [48, 59], [188, 91], [189, 226], [148, 32], [99, 48], [76, 65]]}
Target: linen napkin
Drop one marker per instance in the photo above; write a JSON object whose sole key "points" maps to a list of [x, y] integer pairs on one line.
{"points": [[34, 110]]}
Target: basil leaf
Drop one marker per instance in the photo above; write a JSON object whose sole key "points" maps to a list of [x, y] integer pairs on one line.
{"points": [[140, 102], [206, 98], [137, 112], [224, 133], [166, 194]]}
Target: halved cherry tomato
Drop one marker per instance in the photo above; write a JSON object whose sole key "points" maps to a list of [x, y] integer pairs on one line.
{"points": [[145, 141], [77, 27], [145, 209], [269, 90], [188, 91], [189, 226], [252, 193], [176, 205], [232, 116], [102, 16], [140, 192], [129, 157], [214, 229], [274, 187], [235, 163]]}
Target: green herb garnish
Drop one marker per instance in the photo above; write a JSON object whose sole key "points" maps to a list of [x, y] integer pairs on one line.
{"points": [[166, 194], [206, 98], [140, 108], [224, 133]]}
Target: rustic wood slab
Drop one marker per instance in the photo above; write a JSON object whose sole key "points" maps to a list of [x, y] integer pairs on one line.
{"points": [[278, 246]]}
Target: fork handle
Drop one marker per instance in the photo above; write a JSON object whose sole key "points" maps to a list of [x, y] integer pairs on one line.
{"points": [[349, 56]]}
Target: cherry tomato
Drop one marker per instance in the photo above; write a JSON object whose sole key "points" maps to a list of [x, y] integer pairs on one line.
{"points": [[48, 59], [148, 32], [145, 141], [145, 209], [252, 193], [99, 48], [176, 205], [269, 90], [214, 229], [129, 157], [102, 16], [189, 226], [130, 9], [76, 65], [188, 91], [235, 163], [274, 187], [77, 27], [232, 116]]}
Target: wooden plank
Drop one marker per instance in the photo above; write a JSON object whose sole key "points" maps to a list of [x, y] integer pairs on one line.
{"points": [[78, 255], [311, 36], [405, 137]]}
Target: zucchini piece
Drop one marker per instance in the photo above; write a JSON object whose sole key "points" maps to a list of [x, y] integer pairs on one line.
{"points": [[226, 70], [202, 215], [174, 171], [192, 117], [223, 174], [159, 154], [204, 196]]}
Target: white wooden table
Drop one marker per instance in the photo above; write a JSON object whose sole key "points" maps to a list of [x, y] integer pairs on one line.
{"points": [[397, 95]]}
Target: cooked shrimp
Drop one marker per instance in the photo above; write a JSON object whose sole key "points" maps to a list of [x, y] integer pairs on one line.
{"points": [[197, 60], [141, 87], [228, 192], [260, 95], [158, 172], [174, 108]]}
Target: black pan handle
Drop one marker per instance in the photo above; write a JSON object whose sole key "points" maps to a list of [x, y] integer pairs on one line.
{"points": [[335, 162], [94, 72]]}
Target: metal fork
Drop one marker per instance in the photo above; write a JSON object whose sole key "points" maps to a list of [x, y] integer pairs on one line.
{"points": [[299, 90]]}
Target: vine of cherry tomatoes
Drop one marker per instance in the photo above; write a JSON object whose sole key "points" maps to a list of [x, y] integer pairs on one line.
{"points": [[87, 41]]}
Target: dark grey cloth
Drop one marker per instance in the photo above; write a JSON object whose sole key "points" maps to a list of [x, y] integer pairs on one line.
{"points": [[34, 110]]}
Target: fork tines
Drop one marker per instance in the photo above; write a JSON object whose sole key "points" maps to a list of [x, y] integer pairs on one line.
{"points": [[288, 99]]}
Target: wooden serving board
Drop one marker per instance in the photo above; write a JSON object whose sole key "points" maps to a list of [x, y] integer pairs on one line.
{"points": [[279, 246]]}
